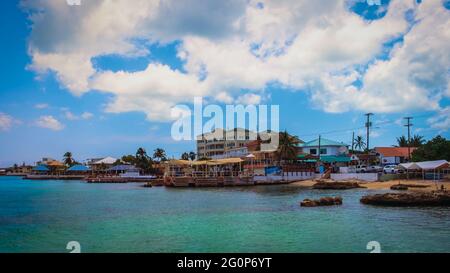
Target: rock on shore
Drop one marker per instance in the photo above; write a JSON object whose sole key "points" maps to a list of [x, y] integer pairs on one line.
{"points": [[325, 201], [423, 199], [399, 187], [343, 185]]}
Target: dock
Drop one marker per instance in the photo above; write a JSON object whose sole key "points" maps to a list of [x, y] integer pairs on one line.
{"points": [[118, 179], [53, 177]]}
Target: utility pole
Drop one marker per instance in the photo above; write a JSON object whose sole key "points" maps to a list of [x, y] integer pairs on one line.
{"points": [[368, 125], [320, 139], [353, 142], [409, 124]]}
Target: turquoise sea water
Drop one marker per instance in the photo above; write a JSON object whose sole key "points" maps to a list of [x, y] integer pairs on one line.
{"points": [[42, 216]]}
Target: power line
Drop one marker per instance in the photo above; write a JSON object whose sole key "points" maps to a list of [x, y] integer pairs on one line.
{"points": [[332, 132]]}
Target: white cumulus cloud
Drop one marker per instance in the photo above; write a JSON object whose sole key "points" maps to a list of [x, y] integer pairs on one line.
{"points": [[49, 122], [231, 48], [6, 122]]}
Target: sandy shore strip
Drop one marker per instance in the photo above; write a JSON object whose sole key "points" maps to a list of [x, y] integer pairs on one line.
{"points": [[387, 185]]}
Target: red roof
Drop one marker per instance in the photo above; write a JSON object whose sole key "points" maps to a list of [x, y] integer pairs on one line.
{"points": [[394, 151]]}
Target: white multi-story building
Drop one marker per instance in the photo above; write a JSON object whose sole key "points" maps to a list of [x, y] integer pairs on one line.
{"points": [[221, 144]]}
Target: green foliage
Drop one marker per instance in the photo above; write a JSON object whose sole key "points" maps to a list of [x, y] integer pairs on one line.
{"points": [[192, 156], [130, 159], [68, 159], [185, 156], [189, 156], [435, 149], [360, 144], [402, 141], [160, 155], [287, 147], [143, 161], [416, 141]]}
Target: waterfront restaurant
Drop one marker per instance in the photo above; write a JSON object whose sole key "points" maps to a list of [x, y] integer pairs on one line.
{"points": [[220, 172], [40, 170]]}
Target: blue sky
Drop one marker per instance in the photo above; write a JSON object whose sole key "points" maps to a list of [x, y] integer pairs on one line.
{"points": [[104, 86]]}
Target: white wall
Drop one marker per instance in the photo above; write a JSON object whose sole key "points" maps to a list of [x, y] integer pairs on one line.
{"points": [[371, 177], [331, 150], [291, 176], [389, 160]]}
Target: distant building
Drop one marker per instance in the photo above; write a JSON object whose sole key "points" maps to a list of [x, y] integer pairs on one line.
{"points": [[236, 142], [19, 170], [220, 143], [101, 164], [393, 155], [48, 161], [327, 147]]}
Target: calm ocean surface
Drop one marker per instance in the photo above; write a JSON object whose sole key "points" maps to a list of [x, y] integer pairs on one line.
{"points": [[42, 216]]}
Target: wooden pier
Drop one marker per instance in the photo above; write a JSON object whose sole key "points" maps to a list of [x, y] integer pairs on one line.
{"points": [[118, 179]]}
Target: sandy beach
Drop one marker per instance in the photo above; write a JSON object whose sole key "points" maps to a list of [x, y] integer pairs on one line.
{"points": [[387, 184]]}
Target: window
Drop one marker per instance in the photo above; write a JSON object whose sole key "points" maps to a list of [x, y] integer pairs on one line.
{"points": [[313, 151], [323, 151]]}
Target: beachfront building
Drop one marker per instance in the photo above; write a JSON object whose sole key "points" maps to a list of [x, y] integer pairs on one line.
{"points": [[393, 155], [125, 170], [78, 170], [324, 147], [19, 170], [101, 164], [221, 143], [206, 173], [40, 170], [54, 166]]}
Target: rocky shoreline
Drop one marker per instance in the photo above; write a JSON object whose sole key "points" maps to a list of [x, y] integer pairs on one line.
{"points": [[423, 199], [324, 201], [332, 185]]}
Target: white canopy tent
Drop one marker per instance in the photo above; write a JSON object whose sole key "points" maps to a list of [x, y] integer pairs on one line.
{"points": [[107, 160], [427, 166], [409, 166], [433, 165]]}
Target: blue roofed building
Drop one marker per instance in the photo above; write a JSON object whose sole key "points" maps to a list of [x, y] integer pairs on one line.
{"points": [[79, 168]]}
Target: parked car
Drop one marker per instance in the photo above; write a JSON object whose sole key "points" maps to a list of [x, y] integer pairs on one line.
{"points": [[374, 169], [392, 169], [361, 168]]}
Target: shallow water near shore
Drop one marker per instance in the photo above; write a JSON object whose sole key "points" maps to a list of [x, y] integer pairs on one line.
{"points": [[43, 216]]}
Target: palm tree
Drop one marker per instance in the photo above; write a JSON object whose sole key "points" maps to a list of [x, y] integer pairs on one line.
{"points": [[287, 146], [159, 154], [192, 156], [185, 156], [359, 143], [417, 141], [143, 161], [68, 159], [402, 142], [141, 153]]}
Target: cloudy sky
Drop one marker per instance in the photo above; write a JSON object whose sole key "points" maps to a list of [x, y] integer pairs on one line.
{"points": [[100, 78]]}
